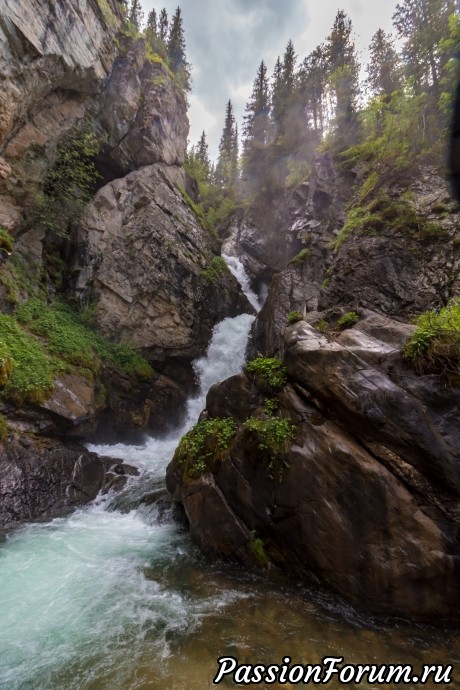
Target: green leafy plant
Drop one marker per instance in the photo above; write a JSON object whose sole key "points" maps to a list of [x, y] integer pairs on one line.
{"points": [[294, 316], [31, 378], [70, 340], [268, 373], [216, 269], [205, 445], [435, 346], [322, 326], [347, 320], [273, 436], [270, 406]]}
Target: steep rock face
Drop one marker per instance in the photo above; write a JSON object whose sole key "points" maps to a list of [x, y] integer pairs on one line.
{"points": [[54, 57], [146, 264], [366, 497], [43, 478], [399, 274], [275, 227], [402, 273]]}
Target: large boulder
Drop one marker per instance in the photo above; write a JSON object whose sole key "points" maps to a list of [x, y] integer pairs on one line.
{"points": [[43, 478], [149, 268], [365, 497]]}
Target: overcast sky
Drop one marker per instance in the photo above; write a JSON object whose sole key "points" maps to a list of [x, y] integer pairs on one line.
{"points": [[227, 39]]}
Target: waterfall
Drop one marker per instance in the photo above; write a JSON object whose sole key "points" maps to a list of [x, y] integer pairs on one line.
{"points": [[76, 588]]}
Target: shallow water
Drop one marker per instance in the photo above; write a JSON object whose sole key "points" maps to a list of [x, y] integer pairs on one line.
{"points": [[116, 597]]}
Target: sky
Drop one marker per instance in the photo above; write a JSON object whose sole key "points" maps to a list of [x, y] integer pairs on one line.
{"points": [[227, 39]]}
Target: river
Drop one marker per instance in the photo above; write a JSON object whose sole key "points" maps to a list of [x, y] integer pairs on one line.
{"points": [[116, 597]]}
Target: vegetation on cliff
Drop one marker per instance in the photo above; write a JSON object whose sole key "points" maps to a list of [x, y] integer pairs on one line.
{"points": [[435, 345]]}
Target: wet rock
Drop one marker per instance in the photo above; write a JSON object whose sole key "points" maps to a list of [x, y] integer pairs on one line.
{"points": [[366, 497], [45, 479], [145, 262]]}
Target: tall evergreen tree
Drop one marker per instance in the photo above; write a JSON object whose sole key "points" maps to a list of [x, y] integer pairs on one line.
{"points": [[202, 153], [343, 72], [136, 14], [151, 30], [383, 70], [312, 84], [176, 50], [423, 24], [256, 120], [277, 88], [227, 162], [163, 24]]}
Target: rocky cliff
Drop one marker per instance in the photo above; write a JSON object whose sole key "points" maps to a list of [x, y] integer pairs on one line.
{"points": [[137, 262], [348, 472]]}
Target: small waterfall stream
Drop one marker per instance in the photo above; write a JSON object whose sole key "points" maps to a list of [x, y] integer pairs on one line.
{"points": [[110, 599]]}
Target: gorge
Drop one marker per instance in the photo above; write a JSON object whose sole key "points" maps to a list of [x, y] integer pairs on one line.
{"points": [[261, 365]]}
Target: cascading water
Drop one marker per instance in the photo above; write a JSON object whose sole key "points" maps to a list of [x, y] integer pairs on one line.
{"points": [[110, 599]]}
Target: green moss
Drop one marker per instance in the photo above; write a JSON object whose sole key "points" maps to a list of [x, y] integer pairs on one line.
{"points": [[205, 445], [216, 269], [294, 316], [301, 257], [435, 346], [107, 13], [268, 373], [347, 320], [3, 428]]}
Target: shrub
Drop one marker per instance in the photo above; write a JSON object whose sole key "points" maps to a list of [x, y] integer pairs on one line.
{"points": [[294, 316], [268, 373], [435, 346], [322, 326], [347, 320], [204, 445], [217, 268]]}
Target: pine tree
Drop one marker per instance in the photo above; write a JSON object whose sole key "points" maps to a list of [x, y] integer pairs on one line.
{"points": [[256, 128], [383, 70], [202, 153], [312, 84], [227, 163], [423, 24], [176, 50], [136, 15], [277, 88], [163, 25], [151, 30], [343, 71]]}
